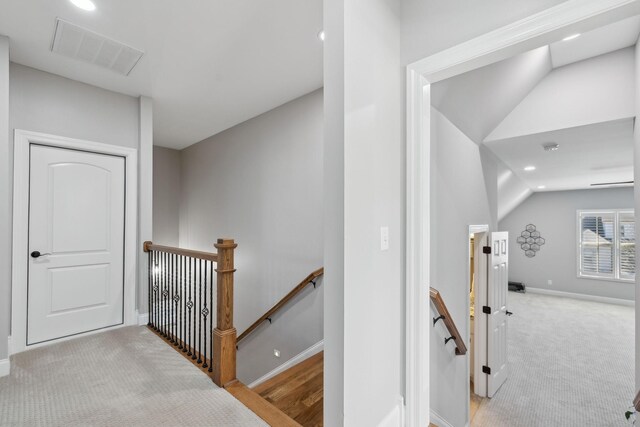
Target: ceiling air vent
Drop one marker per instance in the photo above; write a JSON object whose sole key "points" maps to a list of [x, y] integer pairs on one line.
{"points": [[80, 43]]}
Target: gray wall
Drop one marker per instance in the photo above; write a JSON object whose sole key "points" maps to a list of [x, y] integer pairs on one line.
{"points": [[554, 214], [333, 190], [261, 183], [43, 102], [462, 194], [166, 196]]}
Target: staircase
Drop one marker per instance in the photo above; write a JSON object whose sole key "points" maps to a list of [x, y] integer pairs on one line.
{"points": [[298, 391], [191, 309]]}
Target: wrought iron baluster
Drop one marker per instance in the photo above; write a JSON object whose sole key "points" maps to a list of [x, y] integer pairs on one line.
{"points": [[195, 309], [179, 300], [205, 313], [165, 292], [211, 319], [168, 297], [173, 300], [160, 275], [149, 291], [189, 306], [154, 280], [184, 307], [199, 311]]}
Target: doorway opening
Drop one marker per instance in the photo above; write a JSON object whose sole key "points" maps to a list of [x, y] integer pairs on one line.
{"points": [[547, 139], [477, 239]]}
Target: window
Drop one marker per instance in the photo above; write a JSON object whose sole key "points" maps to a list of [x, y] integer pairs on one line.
{"points": [[607, 244]]}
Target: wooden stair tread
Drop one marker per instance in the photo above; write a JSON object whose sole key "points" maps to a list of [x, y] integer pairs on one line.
{"points": [[261, 407], [298, 391]]}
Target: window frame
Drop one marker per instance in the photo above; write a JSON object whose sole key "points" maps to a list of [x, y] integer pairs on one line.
{"points": [[616, 277]]}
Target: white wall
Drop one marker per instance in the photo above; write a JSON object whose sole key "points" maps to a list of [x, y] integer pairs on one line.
{"points": [[364, 372], [458, 199], [512, 190], [43, 102], [5, 199], [477, 101], [554, 215], [374, 177], [591, 91], [260, 183], [166, 196], [429, 26]]}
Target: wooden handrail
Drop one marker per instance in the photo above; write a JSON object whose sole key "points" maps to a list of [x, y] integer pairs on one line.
{"points": [[309, 279], [149, 246], [636, 402], [441, 307]]}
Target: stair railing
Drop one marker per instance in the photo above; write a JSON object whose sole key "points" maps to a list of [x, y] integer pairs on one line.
{"points": [[310, 279], [182, 300], [445, 316]]}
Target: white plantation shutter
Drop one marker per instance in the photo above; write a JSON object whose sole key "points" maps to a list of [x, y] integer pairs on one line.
{"points": [[627, 242], [597, 246], [607, 244]]}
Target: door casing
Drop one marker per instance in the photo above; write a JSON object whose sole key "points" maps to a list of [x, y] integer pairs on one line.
{"points": [[20, 261]]}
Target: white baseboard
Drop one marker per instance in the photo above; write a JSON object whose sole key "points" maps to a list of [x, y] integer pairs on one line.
{"points": [[5, 367], [438, 420], [314, 349], [143, 319], [606, 300]]}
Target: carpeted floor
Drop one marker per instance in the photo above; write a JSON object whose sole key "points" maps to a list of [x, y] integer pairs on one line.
{"points": [[125, 377], [571, 364]]}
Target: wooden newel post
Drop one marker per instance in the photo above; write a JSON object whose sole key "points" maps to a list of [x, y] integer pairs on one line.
{"points": [[224, 335]]}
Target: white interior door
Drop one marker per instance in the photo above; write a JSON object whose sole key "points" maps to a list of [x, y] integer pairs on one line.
{"points": [[498, 286], [76, 242]]}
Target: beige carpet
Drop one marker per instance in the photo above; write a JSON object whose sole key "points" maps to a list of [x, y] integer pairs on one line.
{"points": [[571, 364], [125, 377]]}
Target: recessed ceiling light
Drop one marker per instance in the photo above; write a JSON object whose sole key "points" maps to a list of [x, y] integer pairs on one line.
{"points": [[571, 37], [530, 168], [84, 4], [541, 187], [321, 35]]}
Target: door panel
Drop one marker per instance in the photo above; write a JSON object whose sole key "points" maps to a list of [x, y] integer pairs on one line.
{"points": [[497, 321], [76, 220], [79, 204]]}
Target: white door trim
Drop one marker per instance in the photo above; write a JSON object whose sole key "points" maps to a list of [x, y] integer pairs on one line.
{"points": [[569, 17], [22, 140]]}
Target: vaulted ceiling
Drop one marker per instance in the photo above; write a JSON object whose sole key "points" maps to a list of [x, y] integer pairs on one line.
{"points": [[208, 65], [578, 93]]}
